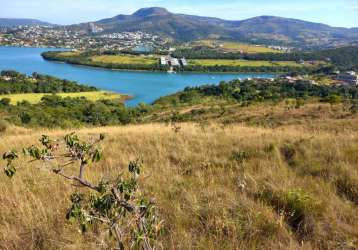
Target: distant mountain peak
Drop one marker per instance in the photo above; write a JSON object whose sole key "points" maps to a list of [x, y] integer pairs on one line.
{"points": [[11, 22], [153, 11], [270, 30]]}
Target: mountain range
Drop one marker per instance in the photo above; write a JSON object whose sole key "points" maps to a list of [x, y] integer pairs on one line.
{"points": [[181, 27], [262, 29], [12, 22]]}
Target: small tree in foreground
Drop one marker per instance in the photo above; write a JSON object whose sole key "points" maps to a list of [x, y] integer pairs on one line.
{"points": [[116, 205]]}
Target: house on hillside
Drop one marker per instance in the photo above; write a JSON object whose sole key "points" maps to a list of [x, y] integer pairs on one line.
{"points": [[174, 62], [6, 78], [348, 78]]}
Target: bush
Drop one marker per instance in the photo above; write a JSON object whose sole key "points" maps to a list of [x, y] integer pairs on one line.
{"points": [[297, 206], [240, 156], [5, 101], [117, 207]]}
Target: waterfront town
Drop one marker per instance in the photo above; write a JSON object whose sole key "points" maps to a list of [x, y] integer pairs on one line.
{"points": [[62, 37]]}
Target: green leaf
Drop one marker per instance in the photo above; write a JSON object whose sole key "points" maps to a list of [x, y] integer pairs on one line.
{"points": [[135, 166], [71, 139], [34, 152], [97, 155], [10, 171], [45, 140], [10, 155], [103, 187]]}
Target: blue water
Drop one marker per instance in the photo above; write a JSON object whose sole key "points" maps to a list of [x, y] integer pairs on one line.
{"points": [[143, 86]]}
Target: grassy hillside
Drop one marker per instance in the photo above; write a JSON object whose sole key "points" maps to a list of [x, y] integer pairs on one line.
{"points": [[217, 187], [255, 164]]}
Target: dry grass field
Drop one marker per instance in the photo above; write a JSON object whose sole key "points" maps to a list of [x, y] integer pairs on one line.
{"points": [[233, 186], [236, 46], [125, 59], [34, 98]]}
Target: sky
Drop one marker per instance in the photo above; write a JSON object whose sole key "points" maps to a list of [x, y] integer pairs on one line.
{"points": [[340, 13]]}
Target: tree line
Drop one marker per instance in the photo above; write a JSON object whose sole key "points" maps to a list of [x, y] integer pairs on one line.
{"points": [[258, 90], [342, 58], [12, 82], [55, 111]]}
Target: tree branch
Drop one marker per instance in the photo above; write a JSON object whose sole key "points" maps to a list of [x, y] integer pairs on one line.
{"points": [[122, 202], [82, 169], [75, 178]]}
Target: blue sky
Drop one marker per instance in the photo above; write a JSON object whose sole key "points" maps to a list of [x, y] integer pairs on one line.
{"points": [[333, 12]]}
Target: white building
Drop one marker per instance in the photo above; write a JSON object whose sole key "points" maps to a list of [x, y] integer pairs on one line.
{"points": [[174, 62], [163, 61]]}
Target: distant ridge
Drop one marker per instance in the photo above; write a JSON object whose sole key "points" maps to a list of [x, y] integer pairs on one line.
{"points": [[262, 29], [12, 22]]}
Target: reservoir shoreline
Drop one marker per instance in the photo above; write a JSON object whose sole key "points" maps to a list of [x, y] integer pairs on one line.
{"points": [[142, 86]]}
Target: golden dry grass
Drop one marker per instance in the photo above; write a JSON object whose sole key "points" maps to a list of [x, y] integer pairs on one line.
{"points": [[237, 46], [69, 53], [210, 194], [125, 59], [34, 98]]}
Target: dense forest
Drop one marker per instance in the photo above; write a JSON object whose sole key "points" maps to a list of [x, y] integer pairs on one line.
{"points": [[12, 82], [55, 111]]}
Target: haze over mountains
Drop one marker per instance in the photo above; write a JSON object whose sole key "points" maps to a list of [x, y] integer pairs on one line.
{"points": [[12, 22], [262, 29]]}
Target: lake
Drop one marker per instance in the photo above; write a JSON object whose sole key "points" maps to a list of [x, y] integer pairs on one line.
{"points": [[143, 86]]}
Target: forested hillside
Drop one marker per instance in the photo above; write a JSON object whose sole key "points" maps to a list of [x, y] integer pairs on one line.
{"points": [[12, 82]]}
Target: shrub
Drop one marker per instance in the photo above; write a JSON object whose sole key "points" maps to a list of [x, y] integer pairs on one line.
{"points": [[297, 206], [240, 156], [115, 205], [332, 99], [5, 102]]}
